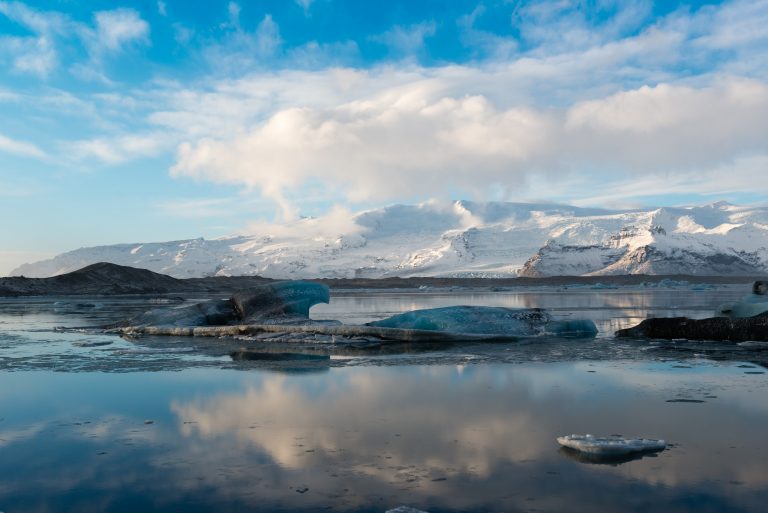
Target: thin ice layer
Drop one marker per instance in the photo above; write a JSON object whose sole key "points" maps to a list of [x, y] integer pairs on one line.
{"points": [[610, 446], [513, 322]]}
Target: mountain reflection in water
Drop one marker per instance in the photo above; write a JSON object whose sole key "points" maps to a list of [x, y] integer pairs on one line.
{"points": [[440, 438]]}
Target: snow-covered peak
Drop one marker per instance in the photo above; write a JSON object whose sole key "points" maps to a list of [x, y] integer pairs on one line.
{"points": [[461, 238]]}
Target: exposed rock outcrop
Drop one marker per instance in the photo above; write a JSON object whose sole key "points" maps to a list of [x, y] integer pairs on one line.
{"points": [[722, 329]]}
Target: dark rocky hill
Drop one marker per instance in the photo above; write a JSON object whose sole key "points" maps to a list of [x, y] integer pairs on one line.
{"points": [[111, 279]]}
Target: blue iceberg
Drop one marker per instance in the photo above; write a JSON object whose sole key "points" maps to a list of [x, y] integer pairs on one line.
{"points": [[488, 320], [750, 305], [279, 302]]}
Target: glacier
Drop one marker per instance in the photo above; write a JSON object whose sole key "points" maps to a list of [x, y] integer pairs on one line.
{"points": [[463, 239]]}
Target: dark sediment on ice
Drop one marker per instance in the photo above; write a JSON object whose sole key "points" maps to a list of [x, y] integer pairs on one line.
{"points": [[383, 334]]}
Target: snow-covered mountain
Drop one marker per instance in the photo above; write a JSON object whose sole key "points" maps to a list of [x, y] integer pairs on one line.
{"points": [[463, 239]]}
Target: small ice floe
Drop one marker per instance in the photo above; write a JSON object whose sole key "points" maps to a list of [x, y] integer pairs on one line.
{"points": [[611, 446], [405, 509]]}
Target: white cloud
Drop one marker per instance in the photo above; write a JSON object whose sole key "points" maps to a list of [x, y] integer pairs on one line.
{"points": [[234, 14], [241, 49], [486, 43], [407, 41], [672, 127], [23, 148], [410, 139], [120, 149], [339, 220], [558, 27], [35, 54], [739, 24], [182, 34], [38, 54], [314, 55], [117, 29], [748, 173], [305, 4], [572, 103]]}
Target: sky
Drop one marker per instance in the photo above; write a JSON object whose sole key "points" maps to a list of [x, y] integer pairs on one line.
{"points": [[165, 120]]}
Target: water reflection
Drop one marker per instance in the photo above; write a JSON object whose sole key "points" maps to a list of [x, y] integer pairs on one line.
{"points": [[611, 309], [441, 438]]}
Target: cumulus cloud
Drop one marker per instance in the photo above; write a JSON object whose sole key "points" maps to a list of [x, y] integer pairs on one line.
{"points": [[399, 141], [338, 220], [613, 101]]}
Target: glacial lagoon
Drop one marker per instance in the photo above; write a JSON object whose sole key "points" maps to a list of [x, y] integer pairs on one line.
{"points": [[95, 422]]}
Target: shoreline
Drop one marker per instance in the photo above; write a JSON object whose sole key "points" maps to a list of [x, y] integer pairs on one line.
{"points": [[112, 280]]}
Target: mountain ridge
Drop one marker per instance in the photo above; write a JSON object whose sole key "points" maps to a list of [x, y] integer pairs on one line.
{"points": [[462, 239]]}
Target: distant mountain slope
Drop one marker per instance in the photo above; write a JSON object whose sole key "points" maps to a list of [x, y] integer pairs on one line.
{"points": [[104, 278], [464, 239], [99, 278]]}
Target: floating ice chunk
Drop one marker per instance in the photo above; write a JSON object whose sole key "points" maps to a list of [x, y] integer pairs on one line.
{"points": [[488, 320], [572, 328], [282, 301], [610, 446], [749, 306], [279, 299], [405, 509]]}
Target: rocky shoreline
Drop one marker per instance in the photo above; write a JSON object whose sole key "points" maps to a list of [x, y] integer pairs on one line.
{"points": [[111, 279]]}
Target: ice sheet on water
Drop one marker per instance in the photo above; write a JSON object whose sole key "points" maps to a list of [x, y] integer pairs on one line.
{"points": [[610, 446], [514, 322]]}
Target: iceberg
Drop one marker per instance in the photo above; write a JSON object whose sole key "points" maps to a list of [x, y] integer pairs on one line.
{"points": [[574, 328], [279, 299], [488, 320], [281, 310], [750, 305], [280, 302], [612, 446]]}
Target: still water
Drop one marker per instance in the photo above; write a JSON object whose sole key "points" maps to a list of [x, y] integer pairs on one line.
{"points": [[90, 422]]}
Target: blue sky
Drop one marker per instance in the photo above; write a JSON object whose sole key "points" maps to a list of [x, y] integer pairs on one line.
{"points": [[162, 120]]}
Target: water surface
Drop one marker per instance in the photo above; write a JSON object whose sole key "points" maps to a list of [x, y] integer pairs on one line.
{"points": [[95, 422]]}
